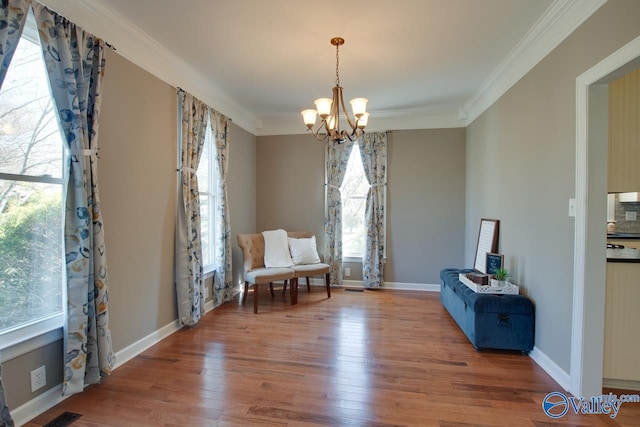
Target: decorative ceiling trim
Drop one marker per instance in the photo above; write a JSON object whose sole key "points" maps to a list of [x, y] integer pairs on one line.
{"points": [[558, 22], [561, 19], [378, 121], [139, 48]]}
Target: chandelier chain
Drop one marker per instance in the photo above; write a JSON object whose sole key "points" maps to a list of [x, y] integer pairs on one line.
{"points": [[337, 65]]}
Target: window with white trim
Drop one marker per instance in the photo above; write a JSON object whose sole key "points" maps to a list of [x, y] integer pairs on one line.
{"points": [[354, 191], [31, 198], [207, 186]]}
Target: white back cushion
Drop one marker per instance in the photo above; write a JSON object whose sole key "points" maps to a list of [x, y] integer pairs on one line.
{"points": [[303, 251], [276, 249]]}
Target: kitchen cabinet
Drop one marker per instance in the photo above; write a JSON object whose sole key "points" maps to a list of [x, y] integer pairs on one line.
{"points": [[624, 134], [621, 343]]}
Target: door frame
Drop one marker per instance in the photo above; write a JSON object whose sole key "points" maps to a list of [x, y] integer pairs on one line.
{"points": [[586, 346]]}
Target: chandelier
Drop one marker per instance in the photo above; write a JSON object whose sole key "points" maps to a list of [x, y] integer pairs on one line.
{"points": [[329, 111]]}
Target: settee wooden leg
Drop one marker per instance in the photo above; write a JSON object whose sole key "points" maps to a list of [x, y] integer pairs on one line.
{"points": [[328, 281], [271, 289], [308, 285], [293, 291], [246, 291], [256, 292], [284, 288]]}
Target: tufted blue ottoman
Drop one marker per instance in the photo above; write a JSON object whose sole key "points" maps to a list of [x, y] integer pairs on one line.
{"points": [[503, 322]]}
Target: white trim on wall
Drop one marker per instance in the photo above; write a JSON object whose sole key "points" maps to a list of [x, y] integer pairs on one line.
{"points": [[585, 359], [139, 48], [551, 368], [558, 21], [394, 286], [556, 24]]}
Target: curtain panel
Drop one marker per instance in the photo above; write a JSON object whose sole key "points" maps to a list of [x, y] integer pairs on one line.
{"points": [[188, 261], [373, 152], [13, 15], [75, 62], [223, 281], [337, 159]]}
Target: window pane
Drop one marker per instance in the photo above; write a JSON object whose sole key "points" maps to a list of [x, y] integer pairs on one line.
{"points": [[353, 226], [355, 183], [204, 164], [30, 142], [354, 195], [205, 227], [31, 147], [30, 252]]}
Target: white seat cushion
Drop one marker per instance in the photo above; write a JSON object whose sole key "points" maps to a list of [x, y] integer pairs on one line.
{"points": [[311, 269], [266, 275]]}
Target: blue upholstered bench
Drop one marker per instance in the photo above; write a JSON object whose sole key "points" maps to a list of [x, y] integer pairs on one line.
{"points": [[503, 322]]}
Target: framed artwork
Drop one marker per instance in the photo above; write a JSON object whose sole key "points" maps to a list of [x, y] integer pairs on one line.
{"points": [[494, 262], [487, 243]]}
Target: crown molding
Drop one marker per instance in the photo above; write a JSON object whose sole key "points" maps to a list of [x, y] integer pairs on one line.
{"points": [[378, 121], [139, 48], [561, 19], [558, 22]]}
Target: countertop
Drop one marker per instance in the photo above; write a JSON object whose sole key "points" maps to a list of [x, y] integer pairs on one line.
{"points": [[623, 236], [623, 255]]}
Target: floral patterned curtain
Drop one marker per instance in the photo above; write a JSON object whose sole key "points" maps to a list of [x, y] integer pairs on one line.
{"points": [[75, 62], [189, 269], [5, 416], [373, 152], [223, 282], [337, 158], [13, 15]]}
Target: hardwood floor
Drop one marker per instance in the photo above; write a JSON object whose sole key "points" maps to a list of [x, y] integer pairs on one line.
{"points": [[374, 358]]}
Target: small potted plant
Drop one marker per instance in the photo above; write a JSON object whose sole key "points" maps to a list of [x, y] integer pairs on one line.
{"points": [[500, 277]]}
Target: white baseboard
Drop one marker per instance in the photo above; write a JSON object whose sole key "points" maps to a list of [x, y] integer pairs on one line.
{"points": [[396, 286], [131, 351], [399, 286], [53, 396], [622, 384], [38, 405], [550, 367]]}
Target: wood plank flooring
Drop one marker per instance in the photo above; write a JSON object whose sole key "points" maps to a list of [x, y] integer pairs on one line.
{"points": [[374, 358]]}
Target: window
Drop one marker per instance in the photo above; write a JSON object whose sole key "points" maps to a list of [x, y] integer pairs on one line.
{"points": [[207, 186], [354, 198], [31, 190]]}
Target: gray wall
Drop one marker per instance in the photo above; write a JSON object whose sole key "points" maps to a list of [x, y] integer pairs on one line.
{"points": [[521, 170], [426, 185], [138, 181], [241, 191]]}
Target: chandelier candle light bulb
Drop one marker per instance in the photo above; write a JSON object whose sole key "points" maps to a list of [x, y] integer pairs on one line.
{"points": [[329, 111]]}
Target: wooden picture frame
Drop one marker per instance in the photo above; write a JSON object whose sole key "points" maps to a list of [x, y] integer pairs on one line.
{"points": [[494, 262], [487, 242]]}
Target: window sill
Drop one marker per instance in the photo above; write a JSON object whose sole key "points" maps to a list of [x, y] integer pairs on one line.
{"points": [[208, 271], [31, 336]]}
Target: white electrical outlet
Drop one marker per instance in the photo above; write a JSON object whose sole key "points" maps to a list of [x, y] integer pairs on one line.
{"points": [[38, 378], [347, 272]]}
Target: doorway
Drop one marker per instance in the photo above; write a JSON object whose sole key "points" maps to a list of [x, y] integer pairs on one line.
{"points": [[589, 263]]}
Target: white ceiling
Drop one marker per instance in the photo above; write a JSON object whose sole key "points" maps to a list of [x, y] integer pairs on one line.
{"points": [[421, 63]]}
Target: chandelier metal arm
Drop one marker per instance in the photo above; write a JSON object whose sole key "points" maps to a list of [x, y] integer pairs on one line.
{"points": [[330, 115]]}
